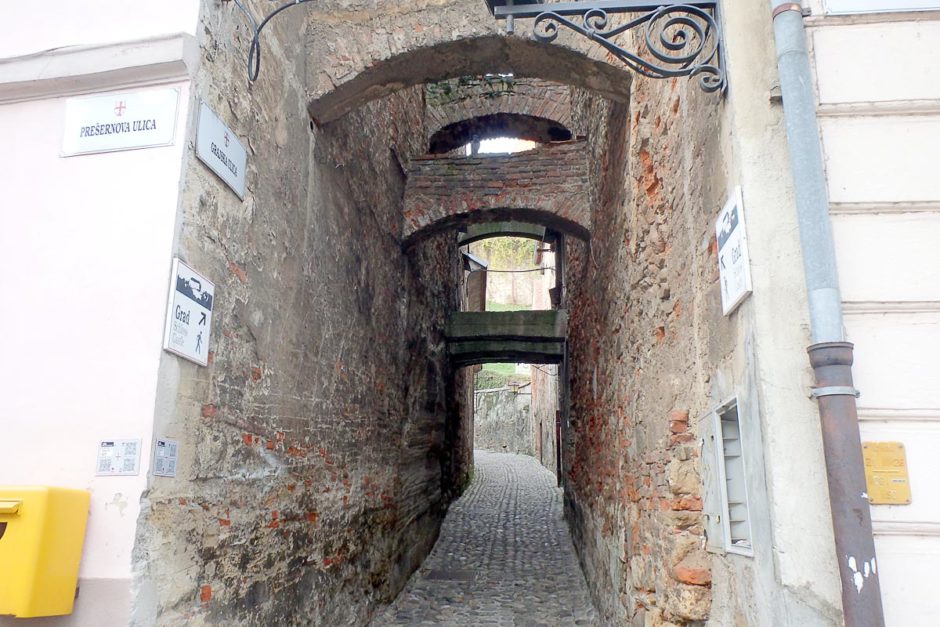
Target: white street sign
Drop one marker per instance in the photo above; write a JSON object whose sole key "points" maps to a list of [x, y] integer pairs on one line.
{"points": [[128, 121], [734, 264], [217, 147], [189, 314], [118, 458], [165, 455]]}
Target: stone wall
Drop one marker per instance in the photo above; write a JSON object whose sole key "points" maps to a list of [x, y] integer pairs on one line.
{"points": [[324, 441], [645, 332], [502, 420]]}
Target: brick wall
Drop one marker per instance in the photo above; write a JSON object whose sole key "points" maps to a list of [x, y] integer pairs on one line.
{"points": [[645, 332], [548, 182]]}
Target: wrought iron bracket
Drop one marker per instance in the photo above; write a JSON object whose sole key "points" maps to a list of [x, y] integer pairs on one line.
{"points": [[676, 38]]}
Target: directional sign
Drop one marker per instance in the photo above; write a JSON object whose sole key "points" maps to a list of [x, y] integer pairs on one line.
{"points": [[127, 121], [734, 264], [189, 314], [218, 148]]}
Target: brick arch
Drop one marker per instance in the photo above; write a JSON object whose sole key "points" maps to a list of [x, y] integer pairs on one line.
{"points": [[495, 105], [360, 55], [547, 185], [453, 136]]}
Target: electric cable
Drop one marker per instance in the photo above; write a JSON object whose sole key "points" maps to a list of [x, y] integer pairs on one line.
{"points": [[254, 50]]}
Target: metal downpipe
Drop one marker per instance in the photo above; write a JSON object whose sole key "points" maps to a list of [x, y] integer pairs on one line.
{"points": [[830, 355]]}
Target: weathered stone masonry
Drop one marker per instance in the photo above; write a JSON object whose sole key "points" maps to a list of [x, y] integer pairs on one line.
{"points": [[324, 441]]}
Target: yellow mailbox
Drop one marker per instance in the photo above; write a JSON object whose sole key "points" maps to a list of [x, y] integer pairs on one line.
{"points": [[41, 535]]}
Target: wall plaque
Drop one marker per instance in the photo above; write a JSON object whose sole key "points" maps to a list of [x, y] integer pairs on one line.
{"points": [[886, 473]]}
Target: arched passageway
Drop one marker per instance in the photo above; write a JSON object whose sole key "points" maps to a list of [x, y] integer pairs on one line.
{"points": [[359, 62], [496, 105], [342, 415]]}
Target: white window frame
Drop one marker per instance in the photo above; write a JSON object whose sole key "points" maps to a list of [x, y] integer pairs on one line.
{"points": [[843, 7], [719, 462]]}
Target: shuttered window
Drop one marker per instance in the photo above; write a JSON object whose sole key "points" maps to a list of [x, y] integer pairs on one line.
{"points": [[732, 479]]}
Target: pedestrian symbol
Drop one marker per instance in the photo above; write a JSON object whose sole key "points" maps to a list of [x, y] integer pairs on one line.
{"points": [[187, 335]]}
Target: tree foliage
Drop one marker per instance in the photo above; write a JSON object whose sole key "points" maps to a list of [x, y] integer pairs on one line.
{"points": [[507, 253]]}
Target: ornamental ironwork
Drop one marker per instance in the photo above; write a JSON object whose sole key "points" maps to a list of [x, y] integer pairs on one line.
{"points": [[675, 38]]}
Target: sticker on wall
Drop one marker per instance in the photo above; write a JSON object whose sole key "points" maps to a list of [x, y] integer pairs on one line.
{"points": [[217, 147], [734, 264], [189, 314], [128, 121], [117, 458], [165, 455]]}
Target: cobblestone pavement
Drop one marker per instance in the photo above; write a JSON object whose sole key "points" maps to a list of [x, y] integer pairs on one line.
{"points": [[504, 556]]}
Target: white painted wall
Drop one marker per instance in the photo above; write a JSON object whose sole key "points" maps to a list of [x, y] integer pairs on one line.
{"points": [[87, 245], [33, 27], [879, 105]]}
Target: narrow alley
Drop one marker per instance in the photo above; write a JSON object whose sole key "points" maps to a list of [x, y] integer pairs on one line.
{"points": [[504, 556], [328, 313]]}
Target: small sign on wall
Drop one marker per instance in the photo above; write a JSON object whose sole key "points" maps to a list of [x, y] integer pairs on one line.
{"points": [[189, 314], [734, 263], [118, 458], [886, 473], [217, 147], [127, 121], [165, 456]]}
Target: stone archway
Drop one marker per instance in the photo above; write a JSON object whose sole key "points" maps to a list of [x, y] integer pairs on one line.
{"points": [[486, 106], [358, 56]]}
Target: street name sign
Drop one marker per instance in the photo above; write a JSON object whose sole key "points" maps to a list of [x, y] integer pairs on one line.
{"points": [[217, 147], [734, 264], [128, 121], [189, 314]]}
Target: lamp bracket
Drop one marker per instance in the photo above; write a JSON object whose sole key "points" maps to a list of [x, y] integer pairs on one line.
{"points": [[677, 38]]}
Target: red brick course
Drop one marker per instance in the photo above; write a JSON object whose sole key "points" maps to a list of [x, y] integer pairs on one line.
{"points": [[551, 181]]}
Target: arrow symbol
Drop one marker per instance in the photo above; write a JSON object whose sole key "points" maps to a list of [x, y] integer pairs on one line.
{"points": [[202, 320]]}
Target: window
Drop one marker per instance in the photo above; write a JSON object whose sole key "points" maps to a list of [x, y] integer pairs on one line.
{"points": [[728, 520], [873, 6]]}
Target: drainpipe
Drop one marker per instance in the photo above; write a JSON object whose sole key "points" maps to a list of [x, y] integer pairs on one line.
{"points": [[830, 355]]}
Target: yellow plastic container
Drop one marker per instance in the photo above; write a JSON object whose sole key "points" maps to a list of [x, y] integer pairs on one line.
{"points": [[41, 534]]}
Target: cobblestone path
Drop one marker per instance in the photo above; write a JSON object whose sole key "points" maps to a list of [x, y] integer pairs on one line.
{"points": [[504, 556]]}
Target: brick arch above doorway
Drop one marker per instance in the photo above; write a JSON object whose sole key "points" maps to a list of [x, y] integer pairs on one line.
{"points": [[547, 185]]}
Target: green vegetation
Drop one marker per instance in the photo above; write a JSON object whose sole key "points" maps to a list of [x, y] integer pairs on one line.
{"points": [[507, 253], [507, 370], [497, 376]]}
